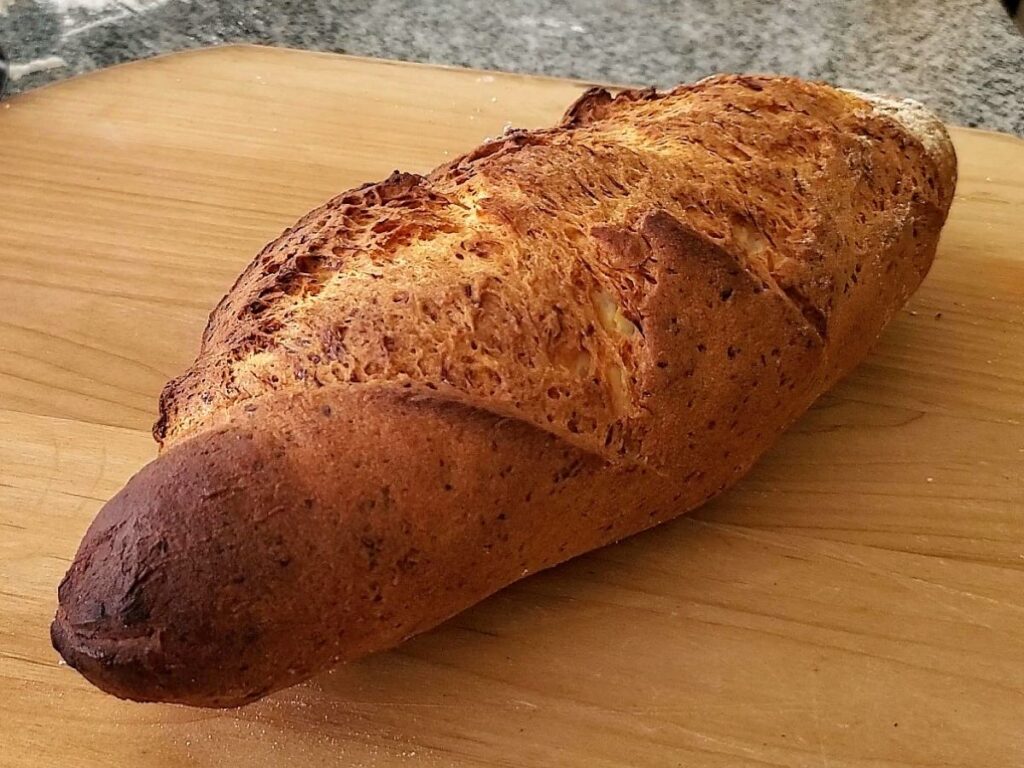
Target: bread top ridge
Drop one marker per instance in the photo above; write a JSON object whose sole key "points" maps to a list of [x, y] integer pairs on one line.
{"points": [[526, 277]]}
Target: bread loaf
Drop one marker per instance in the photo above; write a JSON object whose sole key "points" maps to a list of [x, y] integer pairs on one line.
{"points": [[435, 385]]}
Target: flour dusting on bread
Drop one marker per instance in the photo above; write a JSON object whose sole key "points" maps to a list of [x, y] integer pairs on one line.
{"points": [[916, 119]]}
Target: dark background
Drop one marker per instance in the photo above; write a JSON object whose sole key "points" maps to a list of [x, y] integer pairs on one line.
{"points": [[963, 58]]}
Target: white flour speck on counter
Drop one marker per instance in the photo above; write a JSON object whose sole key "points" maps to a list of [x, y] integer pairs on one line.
{"points": [[17, 70], [65, 6], [78, 16]]}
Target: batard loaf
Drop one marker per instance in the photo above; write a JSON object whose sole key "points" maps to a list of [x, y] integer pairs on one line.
{"points": [[435, 385]]}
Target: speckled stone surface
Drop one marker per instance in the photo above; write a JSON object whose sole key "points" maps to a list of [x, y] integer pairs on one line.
{"points": [[964, 58]]}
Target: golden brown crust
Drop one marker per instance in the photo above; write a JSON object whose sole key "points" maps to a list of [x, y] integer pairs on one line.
{"points": [[496, 280], [431, 386]]}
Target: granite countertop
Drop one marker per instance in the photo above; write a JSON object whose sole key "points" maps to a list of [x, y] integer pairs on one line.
{"points": [[964, 58]]}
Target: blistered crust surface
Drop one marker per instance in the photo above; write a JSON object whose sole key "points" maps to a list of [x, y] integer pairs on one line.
{"points": [[522, 279]]}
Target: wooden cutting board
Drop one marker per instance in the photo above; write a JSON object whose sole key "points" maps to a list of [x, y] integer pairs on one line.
{"points": [[858, 600]]}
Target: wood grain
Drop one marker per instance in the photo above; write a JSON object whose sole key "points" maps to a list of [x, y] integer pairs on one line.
{"points": [[857, 601]]}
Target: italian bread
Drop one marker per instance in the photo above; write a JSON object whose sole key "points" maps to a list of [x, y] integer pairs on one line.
{"points": [[433, 386]]}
